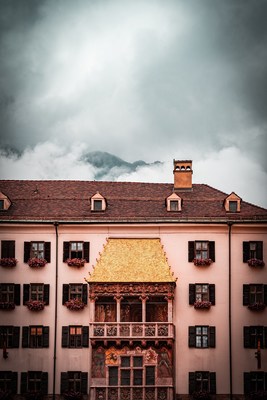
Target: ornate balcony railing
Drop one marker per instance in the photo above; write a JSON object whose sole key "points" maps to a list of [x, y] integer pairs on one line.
{"points": [[131, 330], [131, 393]]}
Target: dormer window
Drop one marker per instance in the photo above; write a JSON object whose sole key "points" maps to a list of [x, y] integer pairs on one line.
{"points": [[174, 202], [98, 202], [5, 203], [232, 203]]}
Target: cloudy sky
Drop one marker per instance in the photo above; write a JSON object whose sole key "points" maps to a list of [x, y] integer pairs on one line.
{"points": [[148, 80]]}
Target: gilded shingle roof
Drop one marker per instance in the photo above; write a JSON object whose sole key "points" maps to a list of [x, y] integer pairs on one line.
{"points": [[132, 260]]}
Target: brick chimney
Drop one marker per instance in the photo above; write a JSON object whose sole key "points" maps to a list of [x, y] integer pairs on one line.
{"points": [[182, 170]]}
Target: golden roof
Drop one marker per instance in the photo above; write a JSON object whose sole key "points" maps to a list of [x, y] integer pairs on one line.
{"points": [[132, 260]]}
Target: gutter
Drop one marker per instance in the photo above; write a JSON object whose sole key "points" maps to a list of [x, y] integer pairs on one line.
{"points": [[230, 307], [55, 327]]}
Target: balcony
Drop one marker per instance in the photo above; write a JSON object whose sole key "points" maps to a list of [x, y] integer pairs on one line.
{"points": [[132, 393]]}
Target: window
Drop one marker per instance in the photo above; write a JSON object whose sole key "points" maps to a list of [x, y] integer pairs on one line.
{"points": [[232, 203], [8, 249], [36, 291], [74, 380], [201, 249], [8, 381], [34, 381], [98, 202], [254, 293], [255, 381], [1, 204], [199, 292], [97, 205], [5, 203], [130, 372], [10, 292], [76, 250], [202, 381], [37, 250], [233, 206], [9, 336], [201, 336], [252, 250], [174, 206], [75, 291], [174, 202], [254, 333], [75, 336], [36, 336]]}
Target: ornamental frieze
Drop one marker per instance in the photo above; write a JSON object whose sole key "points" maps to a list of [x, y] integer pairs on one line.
{"points": [[119, 290]]}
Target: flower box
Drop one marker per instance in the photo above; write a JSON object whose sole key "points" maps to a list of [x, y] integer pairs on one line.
{"points": [[8, 262], [37, 262], [72, 395], [33, 395], [201, 395], [257, 306], [200, 262], [76, 262], [6, 394], [255, 262], [35, 305], [260, 395], [7, 305], [202, 305], [75, 304]]}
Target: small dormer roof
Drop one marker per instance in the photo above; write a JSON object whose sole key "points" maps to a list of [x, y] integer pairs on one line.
{"points": [[5, 201]]}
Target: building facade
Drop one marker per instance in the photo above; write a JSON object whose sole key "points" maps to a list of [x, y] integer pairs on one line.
{"points": [[131, 291]]}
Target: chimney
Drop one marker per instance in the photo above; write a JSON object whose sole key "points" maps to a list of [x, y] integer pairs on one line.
{"points": [[182, 170]]}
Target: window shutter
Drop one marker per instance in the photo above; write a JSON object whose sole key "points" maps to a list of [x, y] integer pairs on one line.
{"points": [[265, 380], [25, 336], [259, 250], [265, 294], [46, 336], [246, 334], [212, 250], [265, 339], [23, 382], [44, 382], [26, 293], [15, 340], [84, 379], [212, 293], [65, 293], [246, 382], [191, 336], [192, 382], [47, 252], [66, 251], [7, 248], [85, 336], [65, 336], [84, 293], [245, 295], [192, 293], [64, 382], [14, 382], [212, 336], [245, 251], [27, 251], [46, 294], [212, 382], [17, 294], [86, 247], [191, 251]]}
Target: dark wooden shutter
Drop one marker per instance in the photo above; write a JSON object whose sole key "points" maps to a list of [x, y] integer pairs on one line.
{"points": [[212, 293], [15, 339], [191, 336], [47, 251], [245, 251], [8, 248], [65, 336], [46, 294], [65, 293], [14, 382], [246, 382], [25, 336], [265, 339], [259, 250], [85, 293], [26, 293], [27, 251], [212, 382], [212, 336], [246, 337], [246, 291], [64, 382], [45, 336], [191, 251], [23, 382], [66, 251], [212, 250], [192, 382], [84, 380], [265, 294], [85, 336], [44, 382], [17, 294], [86, 248], [192, 293]]}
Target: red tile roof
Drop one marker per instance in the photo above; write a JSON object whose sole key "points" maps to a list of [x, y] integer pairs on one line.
{"points": [[126, 201]]}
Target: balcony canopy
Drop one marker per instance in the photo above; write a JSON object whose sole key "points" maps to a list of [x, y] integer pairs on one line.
{"points": [[132, 260]]}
